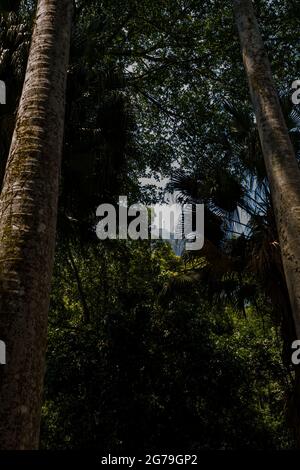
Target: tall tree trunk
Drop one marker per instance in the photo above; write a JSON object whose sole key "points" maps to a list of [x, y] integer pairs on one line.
{"points": [[282, 167], [28, 208]]}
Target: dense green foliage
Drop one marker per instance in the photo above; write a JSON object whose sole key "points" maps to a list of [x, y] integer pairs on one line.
{"points": [[150, 373], [147, 350]]}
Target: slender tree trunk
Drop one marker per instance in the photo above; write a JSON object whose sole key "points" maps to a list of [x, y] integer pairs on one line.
{"points": [[28, 208], [282, 167]]}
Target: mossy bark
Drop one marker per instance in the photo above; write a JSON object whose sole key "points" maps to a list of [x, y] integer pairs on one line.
{"points": [[28, 210], [281, 164]]}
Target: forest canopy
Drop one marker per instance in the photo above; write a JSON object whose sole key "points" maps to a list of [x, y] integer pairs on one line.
{"points": [[147, 345]]}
